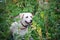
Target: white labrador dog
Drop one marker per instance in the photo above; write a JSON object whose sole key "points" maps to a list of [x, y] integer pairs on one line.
{"points": [[21, 27]]}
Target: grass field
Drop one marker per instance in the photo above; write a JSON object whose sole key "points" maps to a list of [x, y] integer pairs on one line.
{"points": [[46, 20]]}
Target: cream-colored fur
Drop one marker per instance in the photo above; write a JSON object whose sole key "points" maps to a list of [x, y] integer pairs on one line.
{"points": [[18, 28]]}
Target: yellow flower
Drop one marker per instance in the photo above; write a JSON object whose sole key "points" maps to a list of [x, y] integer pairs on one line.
{"points": [[42, 14], [33, 27], [39, 31]]}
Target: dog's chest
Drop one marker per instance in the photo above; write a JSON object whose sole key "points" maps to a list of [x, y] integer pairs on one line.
{"points": [[20, 31], [23, 32]]}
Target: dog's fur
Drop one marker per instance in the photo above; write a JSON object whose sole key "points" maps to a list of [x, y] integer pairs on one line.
{"points": [[21, 27]]}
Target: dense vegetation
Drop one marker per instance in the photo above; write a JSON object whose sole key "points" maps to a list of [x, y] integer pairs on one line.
{"points": [[46, 21]]}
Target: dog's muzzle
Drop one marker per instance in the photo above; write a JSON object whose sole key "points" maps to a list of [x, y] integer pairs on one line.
{"points": [[29, 22]]}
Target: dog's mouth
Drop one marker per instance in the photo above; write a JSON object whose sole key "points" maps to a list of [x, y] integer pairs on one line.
{"points": [[30, 23]]}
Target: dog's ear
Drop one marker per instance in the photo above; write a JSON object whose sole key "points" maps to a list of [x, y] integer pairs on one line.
{"points": [[32, 15], [21, 15]]}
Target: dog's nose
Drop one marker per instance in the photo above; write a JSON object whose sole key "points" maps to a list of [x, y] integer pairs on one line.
{"points": [[30, 21]]}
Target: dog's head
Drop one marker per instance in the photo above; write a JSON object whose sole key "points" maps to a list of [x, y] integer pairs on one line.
{"points": [[26, 18]]}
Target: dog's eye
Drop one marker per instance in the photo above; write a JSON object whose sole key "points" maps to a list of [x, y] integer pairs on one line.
{"points": [[31, 16], [27, 17]]}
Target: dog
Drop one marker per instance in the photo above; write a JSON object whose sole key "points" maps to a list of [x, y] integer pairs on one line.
{"points": [[20, 28]]}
